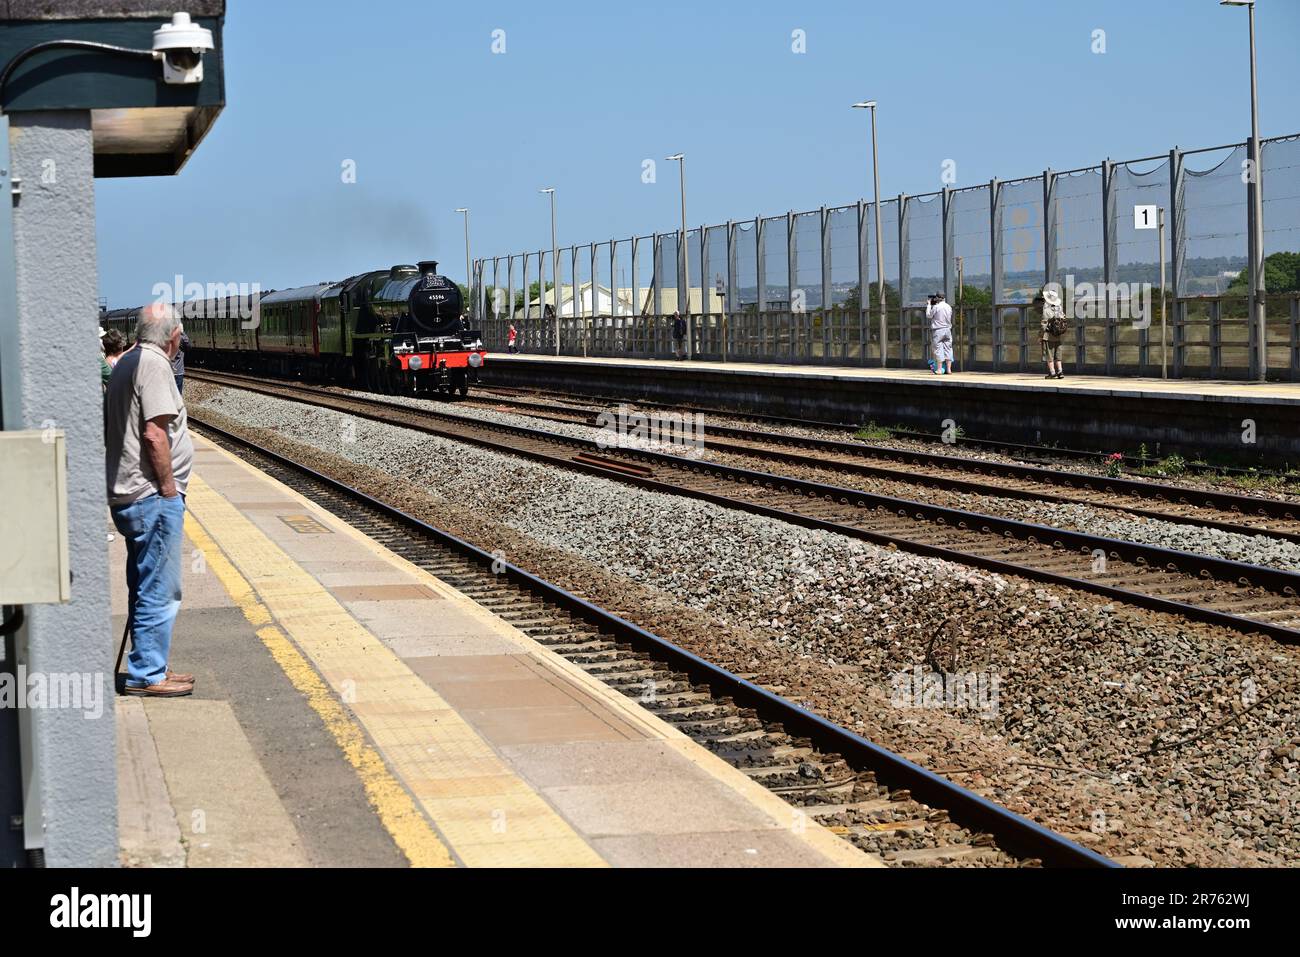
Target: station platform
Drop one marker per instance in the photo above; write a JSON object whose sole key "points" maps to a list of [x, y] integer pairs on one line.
{"points": [[1191, 416], [353, 710]]}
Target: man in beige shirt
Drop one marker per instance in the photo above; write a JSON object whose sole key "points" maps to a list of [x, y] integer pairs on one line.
{"points": [[149, 455]]}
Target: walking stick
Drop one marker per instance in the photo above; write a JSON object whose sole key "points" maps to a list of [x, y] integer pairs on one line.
{"points": [[121, 649]]}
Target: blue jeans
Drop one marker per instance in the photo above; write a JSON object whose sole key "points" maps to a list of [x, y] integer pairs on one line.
{"points": [[153, 529]]}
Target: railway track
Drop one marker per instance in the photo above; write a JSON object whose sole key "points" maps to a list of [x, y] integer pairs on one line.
{"points": [[1245, 598], [874, 798], [1224, 511]]}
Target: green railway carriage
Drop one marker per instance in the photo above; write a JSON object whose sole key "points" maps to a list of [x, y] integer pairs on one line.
{"points": [[396, 330]]}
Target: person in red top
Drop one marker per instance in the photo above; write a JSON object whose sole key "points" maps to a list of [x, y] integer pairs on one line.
{"points": [[510, 339]]}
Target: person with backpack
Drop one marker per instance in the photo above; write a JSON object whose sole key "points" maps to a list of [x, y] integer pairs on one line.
{"points": [[679, 336], [1052, 328]]}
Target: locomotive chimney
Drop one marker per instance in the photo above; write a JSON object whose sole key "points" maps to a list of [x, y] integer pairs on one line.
{"points": [[428, 267]]}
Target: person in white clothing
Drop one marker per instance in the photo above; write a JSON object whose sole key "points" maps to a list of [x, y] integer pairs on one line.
{"points": [[940, 315]]}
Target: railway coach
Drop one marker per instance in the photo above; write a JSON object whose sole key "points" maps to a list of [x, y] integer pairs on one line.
{"points": [[395, 331]]}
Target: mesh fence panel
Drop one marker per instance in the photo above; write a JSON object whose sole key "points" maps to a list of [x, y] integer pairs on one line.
{"points": [[971, 240], [1080, 236], [808, 258], [1280, 162], [888, 245], [1023, 265], [667, 278], [1138, 259], [582, 298], [602, 304], [924, 248], [695, 268], [970, 237], [746, 276], [776, 265], [843, 224], [715, 244], [1214, 222], [562, 296], [643, 300], [1081, 254]]}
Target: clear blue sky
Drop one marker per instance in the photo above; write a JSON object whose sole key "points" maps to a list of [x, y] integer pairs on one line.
{"points": [[411, 91]]}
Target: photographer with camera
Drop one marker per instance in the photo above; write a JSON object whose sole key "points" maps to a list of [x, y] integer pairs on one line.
{"points": [[940, 315]]}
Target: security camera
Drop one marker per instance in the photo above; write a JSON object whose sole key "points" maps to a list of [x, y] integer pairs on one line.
{"points": [[180, 45]]}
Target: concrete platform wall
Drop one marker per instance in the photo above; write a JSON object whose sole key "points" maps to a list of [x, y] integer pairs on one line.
{"points": [[1088, 418]]}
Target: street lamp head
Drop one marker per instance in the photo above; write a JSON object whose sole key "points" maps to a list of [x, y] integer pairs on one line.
{"points": [[865, 105], [1236, 3], [676, 156], [462, 209], [549, 189]]}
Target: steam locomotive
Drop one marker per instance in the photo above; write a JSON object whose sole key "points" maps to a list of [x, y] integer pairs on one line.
{"points": [[397, 331]]}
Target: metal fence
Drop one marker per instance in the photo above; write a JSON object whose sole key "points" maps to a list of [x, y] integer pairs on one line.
{"points": [[803, 287]]}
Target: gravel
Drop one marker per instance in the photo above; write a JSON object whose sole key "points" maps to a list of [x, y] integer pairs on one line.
{"points": [[1090, 696], [1110, 523]]}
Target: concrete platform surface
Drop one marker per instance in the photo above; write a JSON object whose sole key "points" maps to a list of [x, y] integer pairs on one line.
{"points": [[351, 709]]}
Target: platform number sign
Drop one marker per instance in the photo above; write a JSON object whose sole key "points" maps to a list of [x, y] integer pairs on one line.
{"points": [[1145, 217]]}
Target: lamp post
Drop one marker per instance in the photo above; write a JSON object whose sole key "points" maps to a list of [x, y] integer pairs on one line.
{"points": [[469, 278], [880, 252], [685, 257], [1256, 300], [555, 271]]}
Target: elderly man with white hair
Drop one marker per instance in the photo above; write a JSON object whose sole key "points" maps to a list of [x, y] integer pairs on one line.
{"points": [[149, 454]]}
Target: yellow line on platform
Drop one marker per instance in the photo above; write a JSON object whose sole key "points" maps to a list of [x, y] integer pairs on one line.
{"points": [[486, 814], [409, 828]]}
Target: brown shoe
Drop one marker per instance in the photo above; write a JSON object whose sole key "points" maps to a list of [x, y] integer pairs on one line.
{"points": [[181, 677], [163, 689]]}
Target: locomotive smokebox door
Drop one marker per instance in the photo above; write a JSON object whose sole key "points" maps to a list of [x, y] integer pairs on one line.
{"points": [[435, 301]]}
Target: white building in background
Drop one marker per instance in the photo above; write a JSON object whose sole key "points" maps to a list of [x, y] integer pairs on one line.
{"points": [[620, 302]]}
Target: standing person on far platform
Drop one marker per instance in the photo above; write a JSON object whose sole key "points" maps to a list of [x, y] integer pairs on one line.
{"points": [[679, 336], [178, 361], [511, 336], [940, 315], [147, 466], [1052, 328]]}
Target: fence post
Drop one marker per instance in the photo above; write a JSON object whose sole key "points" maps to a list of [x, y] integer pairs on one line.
{"points": [[904, 277], [496, 284], [828, 313], [1178, 254], [1255, 255], [638, 307], [1110, 256], [949, 279], [616, 321], [995, 270], [864, 283], [791, 272], [760, 253], [588, 325], [1051, 267], [655, 284], [730, 305], [510, 294], [1049, 227], [528, 306]]}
